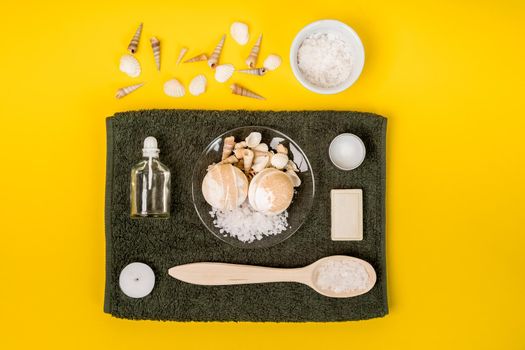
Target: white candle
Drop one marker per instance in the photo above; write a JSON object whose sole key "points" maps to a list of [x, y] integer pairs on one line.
{"points": [[347, 151], [137, 280]]}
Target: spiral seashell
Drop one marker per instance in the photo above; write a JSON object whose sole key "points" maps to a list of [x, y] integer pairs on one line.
{"points": [[198, 85], [229, 160], [296, 180], [272, 62], [242, 91], [254, 71], [198, 58], [261, 147], [281, 149], [155, 45], [239, 152], [214, 58], [134, 43], [260, 162], [224, 72], [241, 144], [130, 65], [279, 160], [127, 90], [181, 54], [248, 160], [227, 148], [174, 88], [254, 139], [254, 53], [239, 32]]}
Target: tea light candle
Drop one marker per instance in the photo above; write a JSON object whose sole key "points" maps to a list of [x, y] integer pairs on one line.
{"points": [[137, 280], [347, 151]]}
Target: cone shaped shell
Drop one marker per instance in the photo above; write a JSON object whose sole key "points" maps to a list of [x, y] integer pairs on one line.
{"points": [[127, 90], [214, 58], [254, 71], [248, 160], [242, 91], [198, 58], [134, 43], [254, 53], [155, 46], [227, 148], [181, 54]]}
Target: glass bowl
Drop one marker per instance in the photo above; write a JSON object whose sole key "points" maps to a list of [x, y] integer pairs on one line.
{"points": [[303, 195]]}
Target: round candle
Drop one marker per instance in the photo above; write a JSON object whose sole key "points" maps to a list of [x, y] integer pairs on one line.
{"points": [[347, 151], [137, 280]]}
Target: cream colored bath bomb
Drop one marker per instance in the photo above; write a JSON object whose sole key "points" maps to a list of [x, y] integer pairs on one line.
{"points": [[270, 191], [225, 187]]}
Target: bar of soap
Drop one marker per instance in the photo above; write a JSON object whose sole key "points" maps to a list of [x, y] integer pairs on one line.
{"points": [[347, 215]]}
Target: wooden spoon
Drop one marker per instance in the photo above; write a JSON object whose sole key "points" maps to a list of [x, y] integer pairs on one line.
{"points": [[214, 274]]}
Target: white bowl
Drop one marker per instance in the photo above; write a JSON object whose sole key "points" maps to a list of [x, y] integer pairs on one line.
{"points": [[347, 151], [348, 34]]}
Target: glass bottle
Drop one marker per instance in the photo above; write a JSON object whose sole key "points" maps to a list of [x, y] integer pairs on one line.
{"points": [[150, 184]]}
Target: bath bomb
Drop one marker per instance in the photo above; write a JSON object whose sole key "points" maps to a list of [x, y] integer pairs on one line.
{"points": [[270, 191], [225, 187]]}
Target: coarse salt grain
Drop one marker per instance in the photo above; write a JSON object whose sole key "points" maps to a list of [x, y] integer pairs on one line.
{"points": [[248, 225], [325, 59], [342, 276]]}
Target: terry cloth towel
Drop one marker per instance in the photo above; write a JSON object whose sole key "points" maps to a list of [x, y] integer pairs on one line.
{"points": [[182, 239]]}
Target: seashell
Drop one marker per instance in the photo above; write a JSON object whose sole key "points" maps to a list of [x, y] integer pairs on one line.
{"points": [[272, 62], [248, 159], [279, 161], [254, 53], [198, 85], [134, 43], [239, 32], [127, 90], [239, 152], [227, 148], [224, 72], [253, 139], [241, 144], [270, 156], [281, 149], [229, 160], [292, 166], [240, 164], [198, 58], [174, 88], [130, 65], [155, 45], [261, 147], [214, 58], [242, 91], [254, 71], [294, 177], [260, 162], [181, 54]]}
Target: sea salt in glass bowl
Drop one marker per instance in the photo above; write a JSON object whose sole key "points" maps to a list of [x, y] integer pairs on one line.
{"points": [[303, 197], [348, 35]]}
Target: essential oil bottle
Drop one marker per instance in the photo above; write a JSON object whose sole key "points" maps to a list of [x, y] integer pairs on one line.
{"points": [[150, 184]]}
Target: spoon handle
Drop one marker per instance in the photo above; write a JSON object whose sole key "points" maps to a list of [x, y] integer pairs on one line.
{"points": [[213, 274]]}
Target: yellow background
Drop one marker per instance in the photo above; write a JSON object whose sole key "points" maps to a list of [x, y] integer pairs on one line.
{"points": [[448, 75]]}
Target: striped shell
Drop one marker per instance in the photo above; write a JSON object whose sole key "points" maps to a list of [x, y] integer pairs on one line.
{"points": [[279, 160], [272, 62], [130, 65], [174, 88], [224, 72], [239, 32], [198, 85]]}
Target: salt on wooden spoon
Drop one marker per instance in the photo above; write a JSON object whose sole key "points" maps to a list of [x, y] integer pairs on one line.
{"points": [[336, 276]]}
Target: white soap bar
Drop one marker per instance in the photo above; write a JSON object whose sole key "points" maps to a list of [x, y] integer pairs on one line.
{"points": [[347, 215]]}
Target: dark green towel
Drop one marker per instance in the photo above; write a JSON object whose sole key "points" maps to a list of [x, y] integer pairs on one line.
{"points": [[182, 239]]}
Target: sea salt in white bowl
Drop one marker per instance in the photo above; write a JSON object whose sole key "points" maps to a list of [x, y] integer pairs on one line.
{"points": [[347, 151], [347, 34]]}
